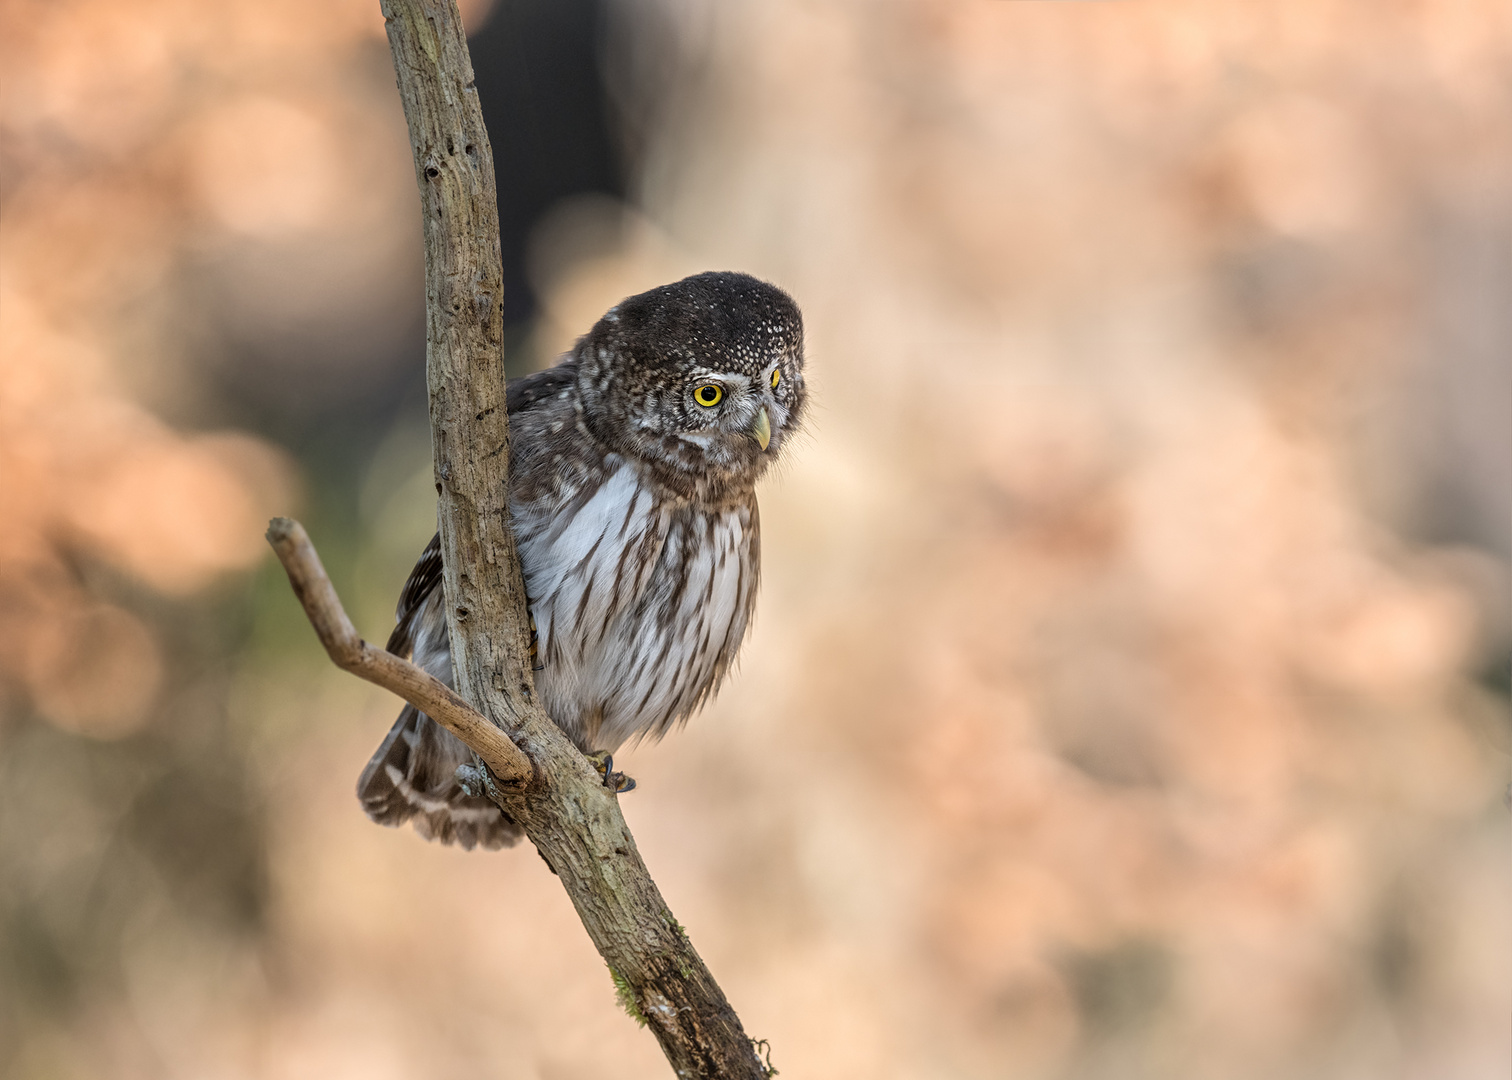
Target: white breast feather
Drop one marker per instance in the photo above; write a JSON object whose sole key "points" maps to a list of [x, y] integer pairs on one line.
{"points": [[610, 656], [568, 555]]}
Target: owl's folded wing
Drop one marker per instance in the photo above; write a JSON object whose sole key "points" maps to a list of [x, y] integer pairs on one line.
{"points": [[423, 578], [519, 396]]}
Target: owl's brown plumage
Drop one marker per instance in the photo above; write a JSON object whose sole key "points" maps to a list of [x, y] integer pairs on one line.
{"points": [[633, 470]]}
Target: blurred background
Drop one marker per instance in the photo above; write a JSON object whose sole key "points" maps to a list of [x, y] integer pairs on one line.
{"points": [[1129, 691]]}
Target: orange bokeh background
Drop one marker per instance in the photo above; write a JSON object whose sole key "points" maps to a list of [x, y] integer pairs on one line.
{"points": [[1128, 695]]}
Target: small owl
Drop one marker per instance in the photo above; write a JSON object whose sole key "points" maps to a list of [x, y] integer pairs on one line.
{"points": [[632, 490]]}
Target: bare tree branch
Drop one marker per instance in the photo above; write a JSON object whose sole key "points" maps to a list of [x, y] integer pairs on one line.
{"points": [[350, 653], [567, 812]]}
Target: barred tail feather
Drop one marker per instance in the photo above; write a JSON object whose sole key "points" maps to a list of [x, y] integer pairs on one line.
{"points": [[412, 776]]}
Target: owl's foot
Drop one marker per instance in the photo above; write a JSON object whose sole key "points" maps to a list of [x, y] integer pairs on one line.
{"points": [[535, 645], [603, 764], [476, 779]]}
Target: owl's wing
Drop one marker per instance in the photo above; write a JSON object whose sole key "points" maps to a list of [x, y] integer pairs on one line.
{"points": [[423, 578], [413, 773], [519, 397], [525, 392]]}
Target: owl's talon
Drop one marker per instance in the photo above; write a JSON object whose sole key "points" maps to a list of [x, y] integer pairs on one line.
{"points": [[603, 764], [477, 780]]}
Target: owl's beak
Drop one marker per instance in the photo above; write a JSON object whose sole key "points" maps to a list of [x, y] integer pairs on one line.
{"points": [[761, 427]]}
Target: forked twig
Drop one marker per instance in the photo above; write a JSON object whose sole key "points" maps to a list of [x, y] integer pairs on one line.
{"points": [[378, 666]]}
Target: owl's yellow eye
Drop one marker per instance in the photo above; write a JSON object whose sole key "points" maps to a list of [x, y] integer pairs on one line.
{"points": [[708, 395], [776, 377]]}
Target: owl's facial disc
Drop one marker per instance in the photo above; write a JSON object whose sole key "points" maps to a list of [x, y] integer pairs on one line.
{"points": [[732, 417]]}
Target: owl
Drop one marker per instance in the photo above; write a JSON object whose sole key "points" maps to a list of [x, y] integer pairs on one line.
{"points": [[632, 492]]}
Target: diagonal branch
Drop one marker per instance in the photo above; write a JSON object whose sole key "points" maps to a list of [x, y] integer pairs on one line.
{"points": [[350, 653], [573, 820]]}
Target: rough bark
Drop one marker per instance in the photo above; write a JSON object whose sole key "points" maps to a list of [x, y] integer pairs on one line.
{"points": [[570, 816]]}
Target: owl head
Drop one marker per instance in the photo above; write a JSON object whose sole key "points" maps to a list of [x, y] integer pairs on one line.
{"points": [[702, 379]]}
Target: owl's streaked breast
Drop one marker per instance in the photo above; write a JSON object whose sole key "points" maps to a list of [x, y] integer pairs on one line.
{"points": [[640, 601]]}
